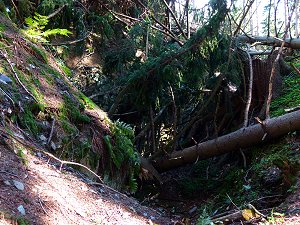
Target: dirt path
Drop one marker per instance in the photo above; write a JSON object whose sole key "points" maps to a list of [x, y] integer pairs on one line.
{"points": [[52, 197]]}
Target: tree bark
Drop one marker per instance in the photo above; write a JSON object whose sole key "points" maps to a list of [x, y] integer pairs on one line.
{"points": [[276, 42], [242, 138]]}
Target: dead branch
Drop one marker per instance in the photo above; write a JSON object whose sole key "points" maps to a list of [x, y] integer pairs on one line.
{"points": [[37, 148], [174, 17], [10, 99], [296, 69], [269, 98], [56, 12], [4, 54], [249, 99], [51, 132], [243, 17], [142, 133]]}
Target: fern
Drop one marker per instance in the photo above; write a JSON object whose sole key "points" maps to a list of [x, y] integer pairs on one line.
{"points": [[123, 154], [36, 26]]}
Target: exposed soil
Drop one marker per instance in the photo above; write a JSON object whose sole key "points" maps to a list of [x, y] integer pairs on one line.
{"points": [[52, 196]]}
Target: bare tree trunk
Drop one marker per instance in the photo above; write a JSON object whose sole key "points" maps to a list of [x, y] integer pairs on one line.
{"points": [[242, 138], [246, 116], [269, 99], [269, 18], [187, 19], [251, 20], [291, 43], [257, 20], [297, 19]]}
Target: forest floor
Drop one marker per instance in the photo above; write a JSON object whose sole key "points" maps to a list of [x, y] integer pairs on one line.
{"points": [[34, 186]]}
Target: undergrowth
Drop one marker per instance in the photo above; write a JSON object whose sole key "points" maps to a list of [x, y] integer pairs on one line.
{"points": [[289, 98], [123, 154], [232, 183]]}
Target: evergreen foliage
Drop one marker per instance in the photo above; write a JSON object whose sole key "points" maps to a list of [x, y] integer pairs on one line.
{"points": [[123, 155], [36, 26]]}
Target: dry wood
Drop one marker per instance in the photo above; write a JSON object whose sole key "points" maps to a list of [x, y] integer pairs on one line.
{"points": [[249, 98], [270, 93], [4, 54], [242, 138]]}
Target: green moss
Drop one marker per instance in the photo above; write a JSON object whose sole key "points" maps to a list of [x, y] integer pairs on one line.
{"points": [[87, 102], [289, 98], [28, 121], [41, 53], [66, 69], [22, 221], [22, 155], [71, 110], [67, 126], [2, 27]]}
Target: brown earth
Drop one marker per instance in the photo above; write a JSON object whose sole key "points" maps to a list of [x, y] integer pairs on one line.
{"points": [[53, 196]]}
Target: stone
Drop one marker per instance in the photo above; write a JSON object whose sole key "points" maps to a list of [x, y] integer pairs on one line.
{"points": [[42, 138], [7, 182], [19, 185], [21, 210], [53, 146], [5, 79], [193, 210]]}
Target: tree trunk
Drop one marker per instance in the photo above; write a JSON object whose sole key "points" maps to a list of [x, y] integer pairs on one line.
{"points": [[242, 138], [291, 43]]}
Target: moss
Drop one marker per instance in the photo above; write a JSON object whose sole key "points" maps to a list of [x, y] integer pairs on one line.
{"points": [[66, 69], [67, 126], [22, 221], [28, 121], [41, 53], [290, 97], [22, 155], [87, 102], [71, 110]]}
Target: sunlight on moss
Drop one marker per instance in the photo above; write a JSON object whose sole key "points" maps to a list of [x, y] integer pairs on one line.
{"points": [[289, 98]]}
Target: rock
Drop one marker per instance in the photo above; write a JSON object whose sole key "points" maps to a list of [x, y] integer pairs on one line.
{"points": [[7, 182], [5, 79], [271, 176], [193, 210], [39, 154], [152, 218], [18, 135], [21, 210], [18, 185], [42, 138], [53, 146]]}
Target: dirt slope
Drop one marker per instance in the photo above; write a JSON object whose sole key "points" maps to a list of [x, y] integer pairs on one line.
{"points": [[51, 196]]}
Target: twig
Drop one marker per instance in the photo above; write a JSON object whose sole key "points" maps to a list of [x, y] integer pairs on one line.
{"points": [[174, 17], [7, 96], [2, 171], [296, 69], [51, 132], [269, 98], [68, 42], [4, 54], [249, 99], [233, 202], [244, 158], [56, 12], [38, 149], [42, 204]]}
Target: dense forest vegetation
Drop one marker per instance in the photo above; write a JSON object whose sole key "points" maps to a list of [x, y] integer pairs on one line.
{"points": [[202, 100]]}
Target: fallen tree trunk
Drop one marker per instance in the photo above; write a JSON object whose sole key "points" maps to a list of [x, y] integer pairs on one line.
{"points": [[276, 42], [242, 138]]}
